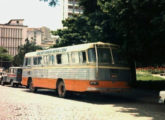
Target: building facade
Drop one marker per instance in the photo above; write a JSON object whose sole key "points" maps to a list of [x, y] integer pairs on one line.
{"points": [[34, 35], [41, 36], [70, 7], [12, 35]]}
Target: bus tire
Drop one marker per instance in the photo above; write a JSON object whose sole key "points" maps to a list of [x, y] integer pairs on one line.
{"points": [[32, 88], [61, 89]]}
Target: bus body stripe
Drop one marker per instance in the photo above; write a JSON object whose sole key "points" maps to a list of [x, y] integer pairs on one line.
{"points": [[24, 81], [75, 85], [77, 66]]}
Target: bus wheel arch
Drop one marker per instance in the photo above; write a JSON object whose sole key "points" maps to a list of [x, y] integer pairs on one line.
{"points": [[60, 87]]}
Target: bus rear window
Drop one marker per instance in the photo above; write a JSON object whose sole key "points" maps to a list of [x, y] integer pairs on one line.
{"points": [[104, 55], [119, 57]]}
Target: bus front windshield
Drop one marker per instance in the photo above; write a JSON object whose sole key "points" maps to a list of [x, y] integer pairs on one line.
{"points": [[104, 55]]}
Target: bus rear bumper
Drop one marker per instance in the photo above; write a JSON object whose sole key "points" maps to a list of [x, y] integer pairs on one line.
{"points": [[107, 90]]}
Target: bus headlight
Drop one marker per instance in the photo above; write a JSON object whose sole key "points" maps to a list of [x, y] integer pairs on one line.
{"points": [[94, 83]]}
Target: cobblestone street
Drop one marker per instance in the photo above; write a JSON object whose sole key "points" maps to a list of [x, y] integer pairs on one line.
{"points": [[20, 104]]}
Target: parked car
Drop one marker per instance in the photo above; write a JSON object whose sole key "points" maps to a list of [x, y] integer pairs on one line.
{"points": [[14, 77], [162, 96]]}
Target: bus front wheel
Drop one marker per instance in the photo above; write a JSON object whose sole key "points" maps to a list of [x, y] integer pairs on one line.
{"points": [[61, 89]]}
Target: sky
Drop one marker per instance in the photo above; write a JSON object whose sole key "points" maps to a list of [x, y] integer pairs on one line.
{"points": [[34, 12]]}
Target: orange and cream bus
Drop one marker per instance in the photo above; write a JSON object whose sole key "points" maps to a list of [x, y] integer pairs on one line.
{"points": [[91, 67]]}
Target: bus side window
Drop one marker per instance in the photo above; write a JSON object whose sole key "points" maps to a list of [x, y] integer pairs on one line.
{"points": [[35, 61], [91, 55], [58, 57], [46, 60], [27, 61], [75, 57], [39, 60], [82, 57], [51, 59]]}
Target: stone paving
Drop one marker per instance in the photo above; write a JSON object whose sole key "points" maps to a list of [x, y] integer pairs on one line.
{"points": [[20, 104]]}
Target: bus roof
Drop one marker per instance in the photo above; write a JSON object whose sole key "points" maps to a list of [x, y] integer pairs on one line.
{"points": [[80, 47]]}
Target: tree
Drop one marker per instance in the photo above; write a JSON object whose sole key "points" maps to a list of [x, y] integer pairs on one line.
{"points": [[74, 32], [92, 26], [22, 50], [141, 26], [5, 58], [138, 26]]}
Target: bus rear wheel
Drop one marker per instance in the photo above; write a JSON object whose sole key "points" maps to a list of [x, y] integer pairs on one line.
{"points": [[32, 88], [61, 89]]}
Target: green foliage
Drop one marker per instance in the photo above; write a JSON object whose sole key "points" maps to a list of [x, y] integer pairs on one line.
{"points": [[90, 27], [22, 50], [3, 50], [138, 26], [89, 6], [148, 77], [141, 26], [73, 32], [5, 58]]}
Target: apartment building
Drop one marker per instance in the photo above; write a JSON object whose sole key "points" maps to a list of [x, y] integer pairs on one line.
{"points": [[70, 7], [41, 36], [12, 35], [34, 35]]}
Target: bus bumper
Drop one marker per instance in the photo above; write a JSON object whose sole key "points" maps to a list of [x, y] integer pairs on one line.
{"points": [[107, 90]]}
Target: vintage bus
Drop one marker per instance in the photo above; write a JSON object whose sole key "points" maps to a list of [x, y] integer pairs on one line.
{"points": [[91, 67]]}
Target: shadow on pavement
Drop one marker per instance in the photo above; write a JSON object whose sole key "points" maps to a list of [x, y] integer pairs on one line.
{"points": [[138, 102]]}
